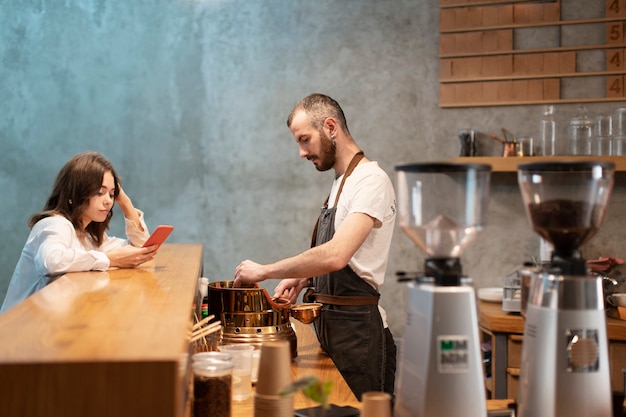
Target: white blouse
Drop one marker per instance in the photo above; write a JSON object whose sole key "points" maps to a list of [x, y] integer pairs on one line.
{"points": [[53, 248]]}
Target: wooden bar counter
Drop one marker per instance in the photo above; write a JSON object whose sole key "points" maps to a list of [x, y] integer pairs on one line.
{"points": [[111, 343]]}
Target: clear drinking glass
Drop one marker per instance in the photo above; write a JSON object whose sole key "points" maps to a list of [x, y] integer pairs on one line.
{"points": [[526, 146], [603, 136], [242, 371], [619, 131], [580, 133]]}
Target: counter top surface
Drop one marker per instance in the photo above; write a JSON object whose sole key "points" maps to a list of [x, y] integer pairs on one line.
{"points": [[312, 360], [66, 320], [493, 318]]}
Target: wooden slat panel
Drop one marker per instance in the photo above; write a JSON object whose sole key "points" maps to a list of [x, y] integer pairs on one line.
{"points": [[615, 8], [515, 25], [615, 86], [615, 33], [615, 60], [485, 29]]}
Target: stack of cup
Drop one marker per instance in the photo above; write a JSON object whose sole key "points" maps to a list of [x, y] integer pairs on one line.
{"points": [[274, 376], [376, 404], [242, 369]]}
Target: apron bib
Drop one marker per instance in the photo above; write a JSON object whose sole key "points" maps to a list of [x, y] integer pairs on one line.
{"points": [[353, 334]]}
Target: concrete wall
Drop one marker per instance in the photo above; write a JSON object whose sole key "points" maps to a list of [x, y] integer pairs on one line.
{"points": [[189, 99]]}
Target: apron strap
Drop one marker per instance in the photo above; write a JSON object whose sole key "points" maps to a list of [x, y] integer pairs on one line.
{"points": [[310, 296], [353, 163]]}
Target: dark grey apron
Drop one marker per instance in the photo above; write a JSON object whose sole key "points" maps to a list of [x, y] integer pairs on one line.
{"points": [[349, 331]]}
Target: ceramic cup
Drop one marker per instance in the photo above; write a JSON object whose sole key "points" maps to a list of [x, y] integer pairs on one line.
{"points": [[617, 300]]}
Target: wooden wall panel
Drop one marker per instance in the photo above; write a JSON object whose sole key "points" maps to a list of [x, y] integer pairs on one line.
{"points": [[478, 41]]}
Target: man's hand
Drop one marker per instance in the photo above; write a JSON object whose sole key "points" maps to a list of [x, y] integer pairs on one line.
{"points": [[248, 272], [290, 289]]}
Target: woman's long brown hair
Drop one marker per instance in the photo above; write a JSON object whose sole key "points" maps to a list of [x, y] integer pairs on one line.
{"points": [[78, 180]]}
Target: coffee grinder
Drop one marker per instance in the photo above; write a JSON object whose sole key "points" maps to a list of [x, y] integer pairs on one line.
{"points": [[565, 369], [442, 207]]}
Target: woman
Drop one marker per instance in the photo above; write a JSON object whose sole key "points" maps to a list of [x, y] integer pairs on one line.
{"points": [[69, 234]]}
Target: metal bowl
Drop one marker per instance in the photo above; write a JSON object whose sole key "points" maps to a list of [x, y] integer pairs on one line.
{"points": [[306, 312], [223, 297]]}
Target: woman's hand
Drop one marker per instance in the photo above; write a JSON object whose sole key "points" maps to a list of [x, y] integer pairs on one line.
{"points": [[122, 199], [126, 205], [130, 257]]}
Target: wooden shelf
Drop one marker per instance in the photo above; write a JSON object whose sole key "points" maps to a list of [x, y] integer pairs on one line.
{"points": [[446, 4], [555, 49], [535, 24], [531, 102], [531, 77], [509, 164]]}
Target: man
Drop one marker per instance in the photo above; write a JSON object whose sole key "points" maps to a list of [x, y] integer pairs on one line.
{"points": [[349, 251]]}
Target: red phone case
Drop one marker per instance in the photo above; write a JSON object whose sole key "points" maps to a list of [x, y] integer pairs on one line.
{"points": [[159, 235]]}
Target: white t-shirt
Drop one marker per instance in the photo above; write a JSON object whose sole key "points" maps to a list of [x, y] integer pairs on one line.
{"points": [[53, 248], [368, 190]]}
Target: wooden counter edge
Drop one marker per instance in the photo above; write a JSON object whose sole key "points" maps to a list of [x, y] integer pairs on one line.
{"points": [[494, 319]]}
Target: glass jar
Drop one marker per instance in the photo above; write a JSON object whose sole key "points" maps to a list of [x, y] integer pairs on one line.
{"points": [[212, 388], [580, 133]]}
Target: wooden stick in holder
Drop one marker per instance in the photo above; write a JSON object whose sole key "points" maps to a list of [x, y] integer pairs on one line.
{"points": [[203, 322], [212, 328]]}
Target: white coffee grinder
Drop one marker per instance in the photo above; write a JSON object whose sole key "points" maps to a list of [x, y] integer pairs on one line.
{"points": [[565, 369], [442, 207]]}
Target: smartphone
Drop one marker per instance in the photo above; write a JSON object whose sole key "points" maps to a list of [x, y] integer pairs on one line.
{"points": [[333, 411], [159, 235]]}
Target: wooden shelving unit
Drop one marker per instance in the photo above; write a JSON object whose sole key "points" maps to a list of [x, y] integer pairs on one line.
{"points": [[510, 164], [481, 63]]}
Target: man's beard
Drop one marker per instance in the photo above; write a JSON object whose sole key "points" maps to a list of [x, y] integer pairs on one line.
{"points": [[327, 153]]}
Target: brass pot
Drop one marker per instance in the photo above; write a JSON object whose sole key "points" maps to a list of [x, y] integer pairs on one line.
{"points": [[223, 297], [249, 315]]}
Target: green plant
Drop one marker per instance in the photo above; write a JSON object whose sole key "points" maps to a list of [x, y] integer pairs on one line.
{"points": [[313, 388]]}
